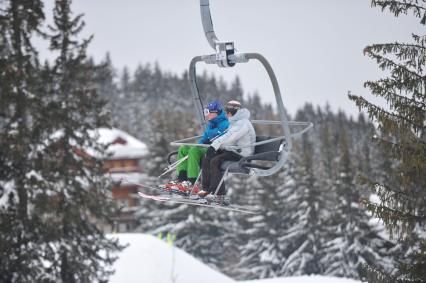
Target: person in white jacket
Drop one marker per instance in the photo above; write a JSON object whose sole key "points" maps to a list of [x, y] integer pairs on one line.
{"points": [[240, 133]]}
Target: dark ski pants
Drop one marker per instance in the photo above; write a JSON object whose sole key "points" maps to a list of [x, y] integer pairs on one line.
{"points": [[211, 174]]}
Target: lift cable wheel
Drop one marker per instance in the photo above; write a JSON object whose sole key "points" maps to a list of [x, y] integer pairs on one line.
{"points": [[224, 50]]}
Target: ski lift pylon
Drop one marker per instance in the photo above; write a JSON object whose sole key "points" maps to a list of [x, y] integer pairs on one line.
{"points": [[268, 148]]}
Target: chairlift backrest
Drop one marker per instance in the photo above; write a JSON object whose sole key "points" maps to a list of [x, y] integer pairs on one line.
{"points": [[272, 147]]}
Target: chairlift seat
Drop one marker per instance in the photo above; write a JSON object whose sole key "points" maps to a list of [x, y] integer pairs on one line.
{"points": [[263, 152]]}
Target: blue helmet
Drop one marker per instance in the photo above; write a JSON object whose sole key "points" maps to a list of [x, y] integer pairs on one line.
{"points": [[214, 107]]}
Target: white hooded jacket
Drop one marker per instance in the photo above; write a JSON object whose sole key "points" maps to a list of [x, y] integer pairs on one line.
{"points": [[240, 133]]}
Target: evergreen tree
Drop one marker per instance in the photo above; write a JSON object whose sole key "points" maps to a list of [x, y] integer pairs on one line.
{"points": [[305, 205], [254, 103], [77, 200], [122, 102], [401, 128], [205, 235], [139, 107], [20, 88], [326, 163], [363, 142], [168, 125], [242, 190], [262, 249], [352, 239], [108, 90], [236, 91]]}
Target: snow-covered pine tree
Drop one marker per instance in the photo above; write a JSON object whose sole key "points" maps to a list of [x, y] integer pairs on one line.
{"points": [[363, 130], [205, 234], [77, 198], [254, 104], [235, 92], [108, 90], [325, 144], [265, 194], [305, 205], [20, 226], [260, 245], [352, 239], [137, 110], [157, 89], [207, 84], [122, 102], [167, 125], [242, 190], [402, 136]]}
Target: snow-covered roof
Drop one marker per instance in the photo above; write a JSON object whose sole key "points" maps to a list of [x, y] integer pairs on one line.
{"points": [[122, 145], [128, 178]]}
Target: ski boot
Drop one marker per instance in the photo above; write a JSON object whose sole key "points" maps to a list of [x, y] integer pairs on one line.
{"points": [[180, 188], [202, 193], [196, 188], [168, 187]]}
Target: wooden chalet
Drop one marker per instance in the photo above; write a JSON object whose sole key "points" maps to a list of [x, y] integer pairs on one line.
{"points": [[126, 156]]}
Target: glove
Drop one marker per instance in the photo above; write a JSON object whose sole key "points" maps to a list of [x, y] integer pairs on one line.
{"points": [[211, 152]]}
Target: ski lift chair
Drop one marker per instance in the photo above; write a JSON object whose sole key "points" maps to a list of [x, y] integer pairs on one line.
{"points": [[262, 152], [270, 149]]}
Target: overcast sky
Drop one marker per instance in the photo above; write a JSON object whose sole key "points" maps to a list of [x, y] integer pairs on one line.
{"points": [[314, 46]]}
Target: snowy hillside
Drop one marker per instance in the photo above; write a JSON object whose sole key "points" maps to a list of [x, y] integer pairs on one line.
{"points": [[305, 279], [148, 259]]}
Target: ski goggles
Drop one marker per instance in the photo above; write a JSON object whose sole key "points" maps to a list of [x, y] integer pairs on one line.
{"points": [[207, 111], [232, 108]]}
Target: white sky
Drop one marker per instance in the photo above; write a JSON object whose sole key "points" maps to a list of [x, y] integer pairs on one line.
{"points": [[315, 47]]}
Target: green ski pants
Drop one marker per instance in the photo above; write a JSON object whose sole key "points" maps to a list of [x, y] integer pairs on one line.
{"points": [[192, 164]]}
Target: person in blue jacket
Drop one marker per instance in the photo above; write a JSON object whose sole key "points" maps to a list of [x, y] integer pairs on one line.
{"points": [[217, 125]]}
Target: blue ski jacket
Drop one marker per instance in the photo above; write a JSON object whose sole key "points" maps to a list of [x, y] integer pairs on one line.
{"points": [[215, 127]]}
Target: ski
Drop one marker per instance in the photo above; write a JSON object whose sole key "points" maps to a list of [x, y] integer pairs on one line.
{"points": [[168, 196], [198, 202], [160, 190]]}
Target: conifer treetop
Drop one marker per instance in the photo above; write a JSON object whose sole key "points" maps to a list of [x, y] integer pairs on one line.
{"points": [[398, 7]]}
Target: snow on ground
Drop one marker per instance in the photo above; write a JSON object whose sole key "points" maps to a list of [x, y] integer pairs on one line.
{"points": [[305, 279], [5, 189], [148, 259]]}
